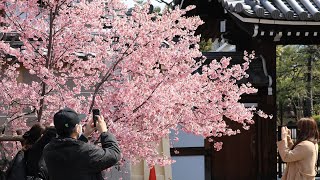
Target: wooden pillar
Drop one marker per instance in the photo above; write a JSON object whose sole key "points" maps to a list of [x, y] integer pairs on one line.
{"points": [[266, 128]]}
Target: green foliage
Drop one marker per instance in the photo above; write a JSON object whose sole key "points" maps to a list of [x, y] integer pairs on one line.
{"points": [[157, 9], [291, 77], [317, 119], [141, 2], [290, 73], [205, 45]]}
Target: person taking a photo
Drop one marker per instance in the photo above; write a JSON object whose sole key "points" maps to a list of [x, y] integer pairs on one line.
{"points": [[71, 157], [301, 156]]}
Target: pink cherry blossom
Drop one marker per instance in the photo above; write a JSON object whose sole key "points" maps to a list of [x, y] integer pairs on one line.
{"points": [[218, 146], [136, 68]]}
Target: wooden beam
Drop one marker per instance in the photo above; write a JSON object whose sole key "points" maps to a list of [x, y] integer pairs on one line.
{"points": [[189, 151], [11, 138]]}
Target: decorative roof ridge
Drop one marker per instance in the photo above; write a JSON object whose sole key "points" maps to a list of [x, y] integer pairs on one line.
{"points": [[298, 10]]}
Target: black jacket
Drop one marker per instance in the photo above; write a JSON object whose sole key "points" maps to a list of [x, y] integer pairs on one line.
{"points": [[34, 159], [70, 159], [30, 162], [17, 169]]}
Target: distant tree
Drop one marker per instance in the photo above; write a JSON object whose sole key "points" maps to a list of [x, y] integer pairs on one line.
{"points": [[292, 74], [157, 9], [205, 45]]}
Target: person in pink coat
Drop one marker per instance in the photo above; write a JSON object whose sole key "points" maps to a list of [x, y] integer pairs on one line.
{"points": [[301, 156]]}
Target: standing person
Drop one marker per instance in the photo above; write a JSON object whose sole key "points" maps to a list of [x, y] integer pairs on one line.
{"points": [[35, 166], [18, 167], [301, 156], [70, 157]]}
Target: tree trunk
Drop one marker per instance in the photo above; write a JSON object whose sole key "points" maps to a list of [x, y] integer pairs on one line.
{"points": [[309, 105]]}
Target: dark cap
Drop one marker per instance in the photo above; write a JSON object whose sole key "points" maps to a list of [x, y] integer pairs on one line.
{"points": [[67, 118]]}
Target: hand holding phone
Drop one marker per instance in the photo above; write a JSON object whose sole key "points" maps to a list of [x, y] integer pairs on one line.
{"points": [[284, 132], [101, 125], [95, 118]]}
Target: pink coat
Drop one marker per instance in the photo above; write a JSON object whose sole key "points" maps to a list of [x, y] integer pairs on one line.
{"points": [[301, 161]]}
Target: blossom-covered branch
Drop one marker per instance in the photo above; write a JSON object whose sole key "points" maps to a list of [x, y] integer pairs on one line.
{"points": [[135, 67]]}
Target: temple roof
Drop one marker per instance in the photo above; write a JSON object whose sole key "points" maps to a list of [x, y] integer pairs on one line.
{"points": [[293, 10]]}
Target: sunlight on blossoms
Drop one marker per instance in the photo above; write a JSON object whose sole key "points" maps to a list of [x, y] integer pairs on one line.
{"points": [[137, 67]]}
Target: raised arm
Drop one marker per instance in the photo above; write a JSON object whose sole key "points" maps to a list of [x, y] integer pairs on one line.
{"points": [[299, 152], [109, 154]]}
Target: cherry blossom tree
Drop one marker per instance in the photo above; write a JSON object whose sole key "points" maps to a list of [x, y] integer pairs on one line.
{"points": [[136, 68]]}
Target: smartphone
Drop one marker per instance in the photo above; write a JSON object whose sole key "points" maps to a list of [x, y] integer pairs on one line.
{"points": [[95, 118]]}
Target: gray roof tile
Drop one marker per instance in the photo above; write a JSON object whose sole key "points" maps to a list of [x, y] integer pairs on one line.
{"points": [[299, 10]]}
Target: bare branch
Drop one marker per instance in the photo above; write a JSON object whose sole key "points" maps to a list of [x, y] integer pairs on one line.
{"points": [[168, 4]]}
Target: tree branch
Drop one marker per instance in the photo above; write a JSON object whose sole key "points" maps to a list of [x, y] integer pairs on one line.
{"points": [[48, 59], [107, 75], [22, 31], [168, 4], [19, 116], [144, 102]]}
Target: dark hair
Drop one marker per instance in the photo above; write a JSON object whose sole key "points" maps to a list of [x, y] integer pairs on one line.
{"points": [[31, 136], [66, 132], [307, 130]]}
